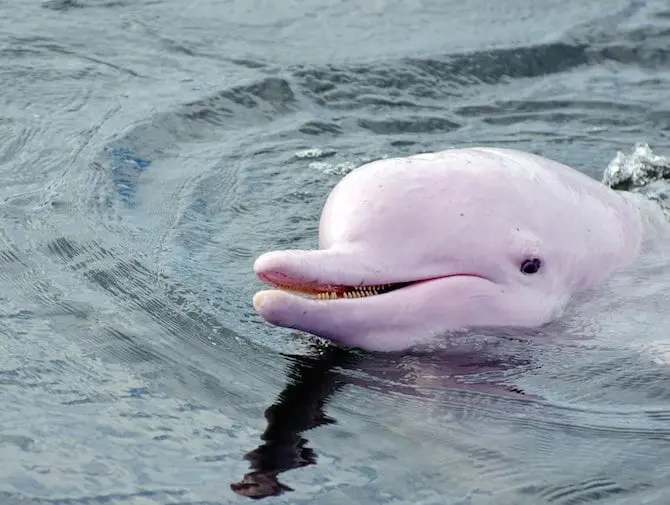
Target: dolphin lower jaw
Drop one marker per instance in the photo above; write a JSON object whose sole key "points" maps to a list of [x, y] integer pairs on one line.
{"points": [[416, 313]]}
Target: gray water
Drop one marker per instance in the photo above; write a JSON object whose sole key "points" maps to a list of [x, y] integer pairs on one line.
{"points": [[150, 150]]}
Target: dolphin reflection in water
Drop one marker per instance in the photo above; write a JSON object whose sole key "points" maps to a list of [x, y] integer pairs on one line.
{"points": [[313, 381]]}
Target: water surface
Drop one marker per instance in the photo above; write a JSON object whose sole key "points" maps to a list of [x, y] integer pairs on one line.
{"points": [[150, 150]]}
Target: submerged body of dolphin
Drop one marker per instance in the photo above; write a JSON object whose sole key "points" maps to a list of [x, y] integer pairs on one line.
{"points": [[412, 248]]}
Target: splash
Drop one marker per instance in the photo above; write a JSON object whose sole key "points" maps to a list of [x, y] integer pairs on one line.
{"points": [[640, 168], [333, 168], [313, 153]]}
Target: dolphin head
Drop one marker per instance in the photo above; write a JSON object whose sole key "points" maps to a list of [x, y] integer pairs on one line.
{"points": [[412, 248]]}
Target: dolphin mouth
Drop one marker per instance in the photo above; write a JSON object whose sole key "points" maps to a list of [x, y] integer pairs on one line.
{"points": [[337, 291], [343, 292]]}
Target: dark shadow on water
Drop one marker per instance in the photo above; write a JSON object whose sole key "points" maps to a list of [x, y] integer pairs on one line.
{"points": [[315, 379], [312, 382]]}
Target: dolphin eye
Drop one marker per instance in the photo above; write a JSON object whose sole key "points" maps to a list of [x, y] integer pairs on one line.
{"points": [[531, 266]]}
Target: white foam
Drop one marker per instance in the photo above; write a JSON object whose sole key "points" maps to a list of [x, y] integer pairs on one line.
{"points": [[312, 153], [639, 168], [341, 168]]}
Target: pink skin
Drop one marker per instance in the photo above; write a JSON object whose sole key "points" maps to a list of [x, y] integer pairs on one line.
{"points": [[458, 223]]}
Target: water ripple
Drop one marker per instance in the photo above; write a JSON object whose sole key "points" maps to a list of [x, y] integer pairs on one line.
{"points": [[151, 150]]}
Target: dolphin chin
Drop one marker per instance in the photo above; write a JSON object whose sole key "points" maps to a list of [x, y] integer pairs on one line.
{"points": [[413, 248]]}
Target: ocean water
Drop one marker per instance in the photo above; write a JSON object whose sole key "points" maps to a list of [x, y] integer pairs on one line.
{"points": [[150, 150]]}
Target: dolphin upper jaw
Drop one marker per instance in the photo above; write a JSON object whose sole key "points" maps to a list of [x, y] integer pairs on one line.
{"points": [[336, 266], [343, 269]]}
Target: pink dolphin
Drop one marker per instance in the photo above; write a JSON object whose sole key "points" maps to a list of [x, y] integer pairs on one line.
{"points": [[413, 248]]}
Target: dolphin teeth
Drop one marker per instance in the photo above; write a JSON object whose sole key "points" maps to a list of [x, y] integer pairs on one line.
{"points": [[326, 296], [339, 292], [360, 292]]}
